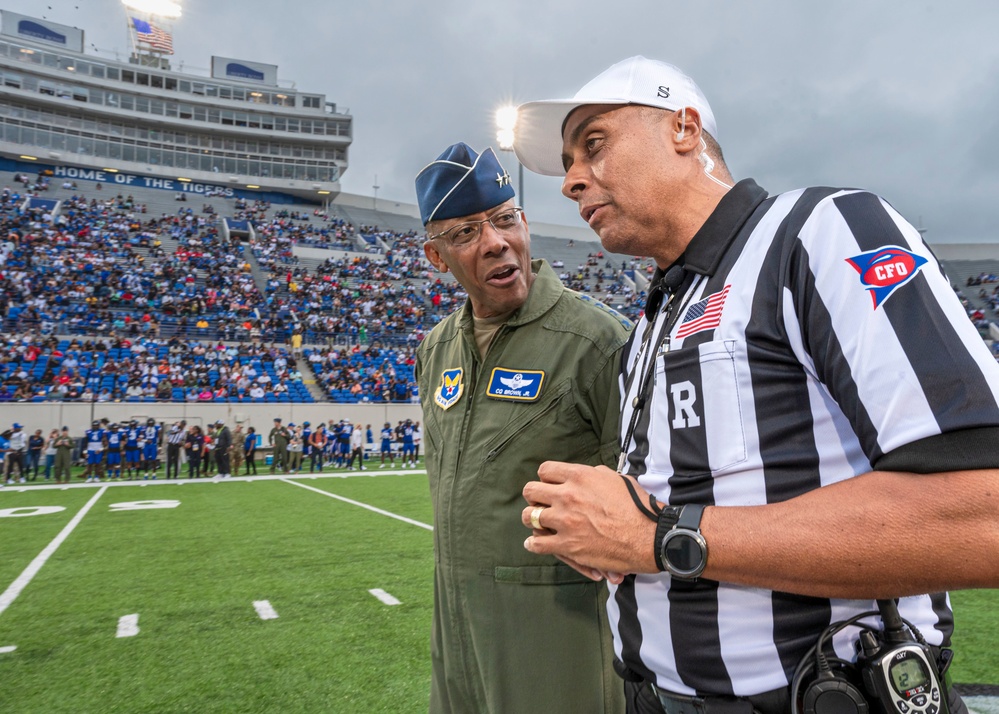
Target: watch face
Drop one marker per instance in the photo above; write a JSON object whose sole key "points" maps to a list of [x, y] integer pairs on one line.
{"points": [[684, 553]]}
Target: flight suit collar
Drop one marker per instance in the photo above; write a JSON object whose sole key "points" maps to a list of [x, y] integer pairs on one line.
{"points": [[544, 293]]}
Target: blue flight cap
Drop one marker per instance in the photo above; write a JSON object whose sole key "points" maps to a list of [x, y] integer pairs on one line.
{"points": [[461, 183], [17, 426]]}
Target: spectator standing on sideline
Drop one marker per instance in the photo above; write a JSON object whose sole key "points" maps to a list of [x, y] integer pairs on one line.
{"points": [[536, 364], [36, 442], [18, 448], [50, 453], [250, 450], [194, 446], [64, 445], [278, 439], [818, 426], [356, 449], [223, 442], [236, 451], [295, 447], [417, 439], [318, 447]]}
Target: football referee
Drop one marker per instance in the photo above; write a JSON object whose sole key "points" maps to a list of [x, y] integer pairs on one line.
{"points": [[812, 412]]}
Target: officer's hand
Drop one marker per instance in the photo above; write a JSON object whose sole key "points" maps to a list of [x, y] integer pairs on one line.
{"points": [[590, 521]]}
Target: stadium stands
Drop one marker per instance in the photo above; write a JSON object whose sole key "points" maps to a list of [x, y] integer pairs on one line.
{"points": [[205, 283]]}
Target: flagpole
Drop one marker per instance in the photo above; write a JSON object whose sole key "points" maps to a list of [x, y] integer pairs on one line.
{"points": [[131, 30]]}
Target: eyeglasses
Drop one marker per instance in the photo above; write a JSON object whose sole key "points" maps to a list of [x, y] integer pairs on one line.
{"points": [[468, 232]]}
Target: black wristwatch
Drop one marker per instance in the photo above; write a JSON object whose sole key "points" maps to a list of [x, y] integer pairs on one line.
{"points": [[680, 548]]}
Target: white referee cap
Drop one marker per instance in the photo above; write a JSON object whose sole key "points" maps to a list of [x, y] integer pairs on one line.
{"points": [[636, 80]]}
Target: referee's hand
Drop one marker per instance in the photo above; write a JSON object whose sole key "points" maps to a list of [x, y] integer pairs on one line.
{"points": [[589, 521]]}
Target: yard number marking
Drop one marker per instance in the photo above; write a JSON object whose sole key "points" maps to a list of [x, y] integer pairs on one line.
{"points": [[11, 593], [29, 511]]}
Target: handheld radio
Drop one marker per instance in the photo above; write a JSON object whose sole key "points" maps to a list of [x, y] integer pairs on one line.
{"points": [[900, 672], [896, 672]]}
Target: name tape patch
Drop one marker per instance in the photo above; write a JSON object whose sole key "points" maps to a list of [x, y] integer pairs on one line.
{"points": [[522, 385]]}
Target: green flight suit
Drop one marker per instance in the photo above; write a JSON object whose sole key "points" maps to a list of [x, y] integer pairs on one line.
{"points": [[514, 631], [279, 455]]}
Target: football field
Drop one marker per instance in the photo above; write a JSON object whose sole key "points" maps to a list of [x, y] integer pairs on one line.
{"points": [[265, 595], [260, 594]]}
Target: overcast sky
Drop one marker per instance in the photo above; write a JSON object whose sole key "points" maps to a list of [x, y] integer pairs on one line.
{"points": [[901, 98]]}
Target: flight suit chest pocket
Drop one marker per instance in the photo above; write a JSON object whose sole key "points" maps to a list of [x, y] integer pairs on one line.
{"points": [[699, 398]]}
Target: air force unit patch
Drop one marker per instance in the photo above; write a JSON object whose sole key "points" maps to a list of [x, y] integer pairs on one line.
{"points": [[450, 389], [885, 269], [518, 384]]}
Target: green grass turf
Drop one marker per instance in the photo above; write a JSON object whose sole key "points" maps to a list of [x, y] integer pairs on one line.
{"points": [[976, 619], [192, 574]]}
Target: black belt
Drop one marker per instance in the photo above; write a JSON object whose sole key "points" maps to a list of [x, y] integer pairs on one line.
{"points": [[777, 701]]}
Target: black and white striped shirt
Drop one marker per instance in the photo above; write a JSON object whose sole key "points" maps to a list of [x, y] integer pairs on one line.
{"points": [[815, 338]]}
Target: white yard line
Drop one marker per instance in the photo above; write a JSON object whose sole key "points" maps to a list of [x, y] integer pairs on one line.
{"points": [[8, 649], [264, 609], [11, 593], [128, 625], [362, 505], [384, 597]]}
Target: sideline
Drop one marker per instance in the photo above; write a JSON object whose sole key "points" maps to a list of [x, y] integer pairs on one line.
{"points": [[362, 505], [28, 487], [22, 581]]}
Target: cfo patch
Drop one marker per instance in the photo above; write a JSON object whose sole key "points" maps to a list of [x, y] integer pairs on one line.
{"points": [[450, 389], [885, 269], [522, 385]]}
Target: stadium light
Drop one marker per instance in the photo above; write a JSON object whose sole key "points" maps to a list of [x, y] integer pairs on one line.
{"points": [[506, 125], [161, 8]]}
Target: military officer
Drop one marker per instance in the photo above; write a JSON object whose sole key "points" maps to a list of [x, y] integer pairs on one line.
{"points": [[536, 364]]}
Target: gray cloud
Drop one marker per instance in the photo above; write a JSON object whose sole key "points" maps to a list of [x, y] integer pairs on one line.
{"points": [[899, 98]]}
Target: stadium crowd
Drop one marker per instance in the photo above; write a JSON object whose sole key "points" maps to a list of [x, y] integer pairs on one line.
{"points": [[156, 303]]}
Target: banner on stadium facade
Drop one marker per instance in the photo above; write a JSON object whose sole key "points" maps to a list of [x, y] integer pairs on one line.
{"points": [[58, 175], [38, 30], [244, 70]]}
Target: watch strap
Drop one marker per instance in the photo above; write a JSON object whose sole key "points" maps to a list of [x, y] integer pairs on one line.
{"points": [[668, 519], [690, 517]]}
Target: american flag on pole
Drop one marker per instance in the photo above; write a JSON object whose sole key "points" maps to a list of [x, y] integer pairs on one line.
{"points": [[153, 36], [703, 315]]}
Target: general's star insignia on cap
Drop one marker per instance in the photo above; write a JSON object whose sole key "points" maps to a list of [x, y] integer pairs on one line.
{"points": [[503, 179]]}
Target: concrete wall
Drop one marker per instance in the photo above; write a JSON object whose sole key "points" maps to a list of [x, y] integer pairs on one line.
{"points": [[77, 416]]}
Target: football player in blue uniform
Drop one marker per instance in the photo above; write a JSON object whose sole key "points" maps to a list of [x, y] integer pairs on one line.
{"points": [[387, 436], [343, 443], [115, 441], [133, 454], [150, 440], [408, 446], [95, 441]]}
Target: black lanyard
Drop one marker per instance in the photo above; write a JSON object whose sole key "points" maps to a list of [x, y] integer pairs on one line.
{"points": [[670, 284]]}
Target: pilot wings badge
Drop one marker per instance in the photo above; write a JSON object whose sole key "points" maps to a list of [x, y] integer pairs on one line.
{"points": [[450, 389]]}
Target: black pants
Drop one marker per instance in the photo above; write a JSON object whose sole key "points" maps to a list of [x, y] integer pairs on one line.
{"points": [[251, 462], [222, 459], [194, 465], [14, 459], [640, 699], [173, 460]]}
